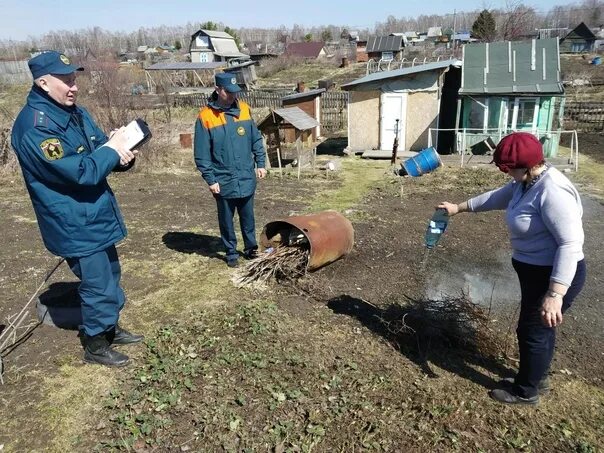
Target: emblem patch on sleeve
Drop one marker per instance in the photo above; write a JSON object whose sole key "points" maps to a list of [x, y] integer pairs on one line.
{"points": [[52, 148], [241, 130]]}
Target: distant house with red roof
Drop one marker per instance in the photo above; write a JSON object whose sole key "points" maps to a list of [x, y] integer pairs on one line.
{"points": [[308, 50]]}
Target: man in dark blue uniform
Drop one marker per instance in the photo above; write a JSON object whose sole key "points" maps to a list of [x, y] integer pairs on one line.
{"points": [[230, 154], [65, 159]]}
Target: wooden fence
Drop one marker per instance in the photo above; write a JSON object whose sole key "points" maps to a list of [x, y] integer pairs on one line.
{"points": [[333, 105], [14, 72], [334, 111], [584, 116]]}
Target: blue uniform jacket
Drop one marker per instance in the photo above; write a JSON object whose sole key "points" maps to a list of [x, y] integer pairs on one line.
{"points": [[227, 144], [65, 166]]}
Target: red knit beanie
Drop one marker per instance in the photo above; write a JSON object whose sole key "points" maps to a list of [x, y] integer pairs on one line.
{"points": [[518, 150]]}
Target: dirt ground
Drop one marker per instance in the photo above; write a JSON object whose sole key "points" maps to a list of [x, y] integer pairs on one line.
{"points": [[173, 247]]}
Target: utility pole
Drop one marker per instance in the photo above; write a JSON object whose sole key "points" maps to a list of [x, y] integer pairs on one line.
{"points": [[454, 18]]}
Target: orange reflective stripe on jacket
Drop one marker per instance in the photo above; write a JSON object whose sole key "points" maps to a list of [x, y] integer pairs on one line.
{"points": [[211, 118]]}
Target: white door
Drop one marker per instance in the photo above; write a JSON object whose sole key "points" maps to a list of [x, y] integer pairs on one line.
{"points": [[393, 107]]}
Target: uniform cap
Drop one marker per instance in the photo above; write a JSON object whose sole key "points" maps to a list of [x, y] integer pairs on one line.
{"points": [[228, 82], [518, 150], [51, 62]]}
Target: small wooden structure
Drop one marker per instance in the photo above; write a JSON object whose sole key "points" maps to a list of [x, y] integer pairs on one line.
{"points": [[310, 103], [181, 75], [579, 39], [212, 45], [385, 47], [245, 73], [292, 118]]}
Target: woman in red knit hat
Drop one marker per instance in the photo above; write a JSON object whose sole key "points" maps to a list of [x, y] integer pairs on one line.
{"points": [[543, 215]]}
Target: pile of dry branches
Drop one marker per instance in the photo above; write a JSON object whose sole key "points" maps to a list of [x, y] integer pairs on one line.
{"points": [[455, 321], [282, 263]]}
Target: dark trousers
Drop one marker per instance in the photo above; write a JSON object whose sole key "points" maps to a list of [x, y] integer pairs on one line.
{"points": [[100, 293], [535, 340], [226, 212]]}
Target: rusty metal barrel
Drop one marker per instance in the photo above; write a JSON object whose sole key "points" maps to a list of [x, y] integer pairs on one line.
{"points": [[329, 234]]}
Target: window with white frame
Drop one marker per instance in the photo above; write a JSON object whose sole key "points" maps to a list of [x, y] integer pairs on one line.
{"points": [[387, 56], [524, 115], [526, 112]]}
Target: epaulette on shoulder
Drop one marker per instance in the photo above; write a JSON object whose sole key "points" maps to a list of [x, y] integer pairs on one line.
{"points": [[40, 119]]}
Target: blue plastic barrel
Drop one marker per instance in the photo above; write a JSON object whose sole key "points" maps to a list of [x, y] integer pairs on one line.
{"points": [[596, 60], [425, 161]]}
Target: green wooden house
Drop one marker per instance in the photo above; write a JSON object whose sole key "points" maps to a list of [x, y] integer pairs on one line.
{"points": [[507, 87]]}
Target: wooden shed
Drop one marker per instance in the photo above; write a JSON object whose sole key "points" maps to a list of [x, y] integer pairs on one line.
{"points": [[310, 103], [385, 47], [245, 73], [285, 119], [579, 39], [420, 97], [511, 86]]}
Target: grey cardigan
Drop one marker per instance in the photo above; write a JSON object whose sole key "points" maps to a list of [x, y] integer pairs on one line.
{"points": [[544, 222]]}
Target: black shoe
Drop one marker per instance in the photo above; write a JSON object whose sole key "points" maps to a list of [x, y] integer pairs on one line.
{"points": [[97, 350], [250, 254], [122, 336], [509, 397], [543, 387], [233, 262]]}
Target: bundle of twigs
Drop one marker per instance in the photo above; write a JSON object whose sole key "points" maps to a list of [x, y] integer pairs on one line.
{"points": [[454, 321], [281, 263]]}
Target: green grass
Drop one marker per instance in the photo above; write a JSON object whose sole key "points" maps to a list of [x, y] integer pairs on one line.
{"points": [[251, 377], [356, 179]]}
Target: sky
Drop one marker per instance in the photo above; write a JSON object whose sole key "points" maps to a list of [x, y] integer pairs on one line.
{"points": [[22, 18]]}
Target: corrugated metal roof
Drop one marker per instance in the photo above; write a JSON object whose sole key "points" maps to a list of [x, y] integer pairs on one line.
{"points": [[512, 67], [304, 94], [384, 75], [184, 66], [297, 118], [385, 44]]}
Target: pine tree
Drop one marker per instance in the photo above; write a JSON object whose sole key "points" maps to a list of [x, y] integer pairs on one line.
{"points": [[483, 27], [209, 25]]}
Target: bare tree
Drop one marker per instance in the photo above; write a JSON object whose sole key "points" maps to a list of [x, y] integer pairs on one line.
{"points": [[519, 21]]}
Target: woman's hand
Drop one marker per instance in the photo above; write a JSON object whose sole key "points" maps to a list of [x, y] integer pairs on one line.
{"points": [[551, 311], [451, 208]]}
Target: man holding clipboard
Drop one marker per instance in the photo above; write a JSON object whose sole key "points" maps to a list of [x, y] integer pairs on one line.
{"points": [[65, 159]]}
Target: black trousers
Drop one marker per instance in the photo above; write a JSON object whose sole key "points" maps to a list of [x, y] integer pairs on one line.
{"points": [[535, 340], [226, 212]]}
